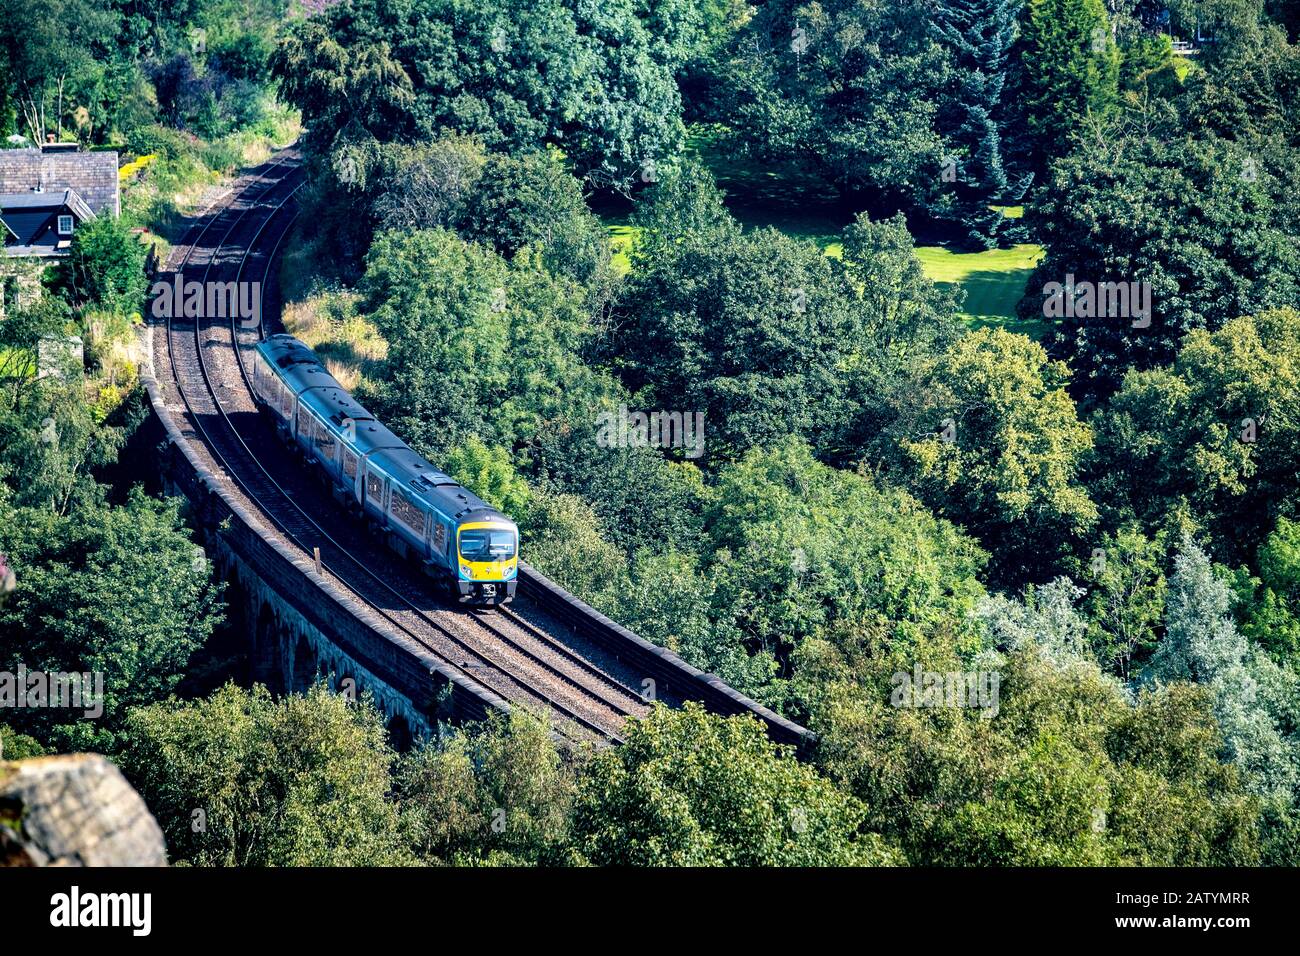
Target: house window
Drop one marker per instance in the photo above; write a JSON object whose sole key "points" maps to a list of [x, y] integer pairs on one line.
{"points": [[65, 225]]}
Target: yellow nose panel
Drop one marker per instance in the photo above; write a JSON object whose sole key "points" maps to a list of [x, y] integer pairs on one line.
{"points": [[489, 570]]}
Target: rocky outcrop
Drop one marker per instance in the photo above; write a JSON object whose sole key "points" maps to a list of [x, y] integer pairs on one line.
{"points": [[75, 810]]}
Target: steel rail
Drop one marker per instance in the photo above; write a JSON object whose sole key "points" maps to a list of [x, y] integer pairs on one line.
{"points": [[524, 684]]}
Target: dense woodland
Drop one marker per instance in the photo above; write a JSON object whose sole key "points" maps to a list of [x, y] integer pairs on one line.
{"points": [[1103, 512]]}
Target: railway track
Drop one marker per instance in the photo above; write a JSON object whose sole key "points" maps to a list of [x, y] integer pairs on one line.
{"points": [[521, 662]]}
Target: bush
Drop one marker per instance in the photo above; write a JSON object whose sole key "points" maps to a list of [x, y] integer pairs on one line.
{"points": [[105, 267]]}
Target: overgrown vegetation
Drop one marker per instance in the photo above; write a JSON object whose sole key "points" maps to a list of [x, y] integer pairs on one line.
{"points": [[1092, 516]]}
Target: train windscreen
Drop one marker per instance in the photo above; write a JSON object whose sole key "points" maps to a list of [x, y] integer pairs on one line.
{"points": [[482, 544]]}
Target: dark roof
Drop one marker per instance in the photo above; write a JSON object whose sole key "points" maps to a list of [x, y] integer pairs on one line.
{"points": [[55, 199], [30, 221], [92, 176]]}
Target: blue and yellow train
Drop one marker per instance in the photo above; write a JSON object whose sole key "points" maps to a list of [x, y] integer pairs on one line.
{"points": [[422, 513]]}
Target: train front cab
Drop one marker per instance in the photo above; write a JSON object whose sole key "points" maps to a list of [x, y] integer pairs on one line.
{"points": [[488, 566]]}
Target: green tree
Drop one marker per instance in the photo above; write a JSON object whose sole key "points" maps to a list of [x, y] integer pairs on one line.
{"points": [[16, 746], [1214, 435], [476, 345], [498, 792], [1071, 70], [908, 323], [50, 436], [691, 789], [1202, 644], [685, 205], [562, 537], [1126, 598], [105, 267], [674, 601], [592, 79], [533, 200], [489, 473], [1268, 606], [980, 35], [120, 591], [1116, 212], [752, 329], [242, 779], [346, 79], [798, 546], [846, 89], [421, 186], [992, 441], [644, 500], [47, 47], [905, 310], [1147, 63], [1065, 769]]}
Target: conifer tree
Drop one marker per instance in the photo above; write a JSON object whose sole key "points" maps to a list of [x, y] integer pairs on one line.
{"points": [[980, 35], [1249, 691], [1070, 69]]}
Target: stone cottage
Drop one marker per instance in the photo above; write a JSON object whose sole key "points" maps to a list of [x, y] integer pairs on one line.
{"points": [[45, 195]]}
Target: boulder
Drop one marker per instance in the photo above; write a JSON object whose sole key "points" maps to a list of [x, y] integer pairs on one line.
{"points": [[74, 810]]}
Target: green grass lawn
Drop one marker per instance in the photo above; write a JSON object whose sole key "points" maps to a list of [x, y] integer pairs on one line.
{"points": [[620, 241], [994, 280]]}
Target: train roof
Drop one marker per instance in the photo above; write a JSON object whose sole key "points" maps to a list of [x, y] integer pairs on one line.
{"points": [[321, 392], [336, 406], [284, 350], [297, 364], [421, 480], [371, 436]]}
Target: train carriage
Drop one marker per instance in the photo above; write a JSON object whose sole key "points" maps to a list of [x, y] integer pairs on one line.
{"points": [[360, 444], [327, 415], [423, 513]]}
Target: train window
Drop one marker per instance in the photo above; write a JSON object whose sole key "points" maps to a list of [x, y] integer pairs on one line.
{"points": [[482, 544], [324, 441], [286, 405], [349, 464], [304, 423], [407, 512], [374, 487], [439, 536]]}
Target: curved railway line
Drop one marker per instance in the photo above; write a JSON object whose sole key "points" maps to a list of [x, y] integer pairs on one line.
{"points": [[519, 656]]}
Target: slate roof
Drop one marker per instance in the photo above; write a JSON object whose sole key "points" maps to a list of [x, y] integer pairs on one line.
{"points": [[29, 218], [48, 200], [91, 175]]}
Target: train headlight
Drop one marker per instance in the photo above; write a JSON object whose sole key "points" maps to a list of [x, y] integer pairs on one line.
{"points": [[465, 570]]}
